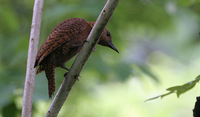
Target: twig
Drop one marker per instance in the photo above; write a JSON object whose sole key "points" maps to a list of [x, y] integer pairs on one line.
{"points": [[81, 59], [32, 51]]}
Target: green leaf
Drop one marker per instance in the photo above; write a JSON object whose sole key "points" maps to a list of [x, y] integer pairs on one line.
{"points": [[178, 89]]}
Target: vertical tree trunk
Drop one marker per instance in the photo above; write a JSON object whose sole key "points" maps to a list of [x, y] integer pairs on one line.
{"points": [[32, 51]]}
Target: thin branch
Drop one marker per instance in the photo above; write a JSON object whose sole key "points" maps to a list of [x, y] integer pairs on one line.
{"points": [[81, 59], [32, 51]]}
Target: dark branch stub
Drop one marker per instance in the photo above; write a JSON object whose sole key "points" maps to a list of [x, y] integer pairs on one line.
{"points": [[196, 111]]}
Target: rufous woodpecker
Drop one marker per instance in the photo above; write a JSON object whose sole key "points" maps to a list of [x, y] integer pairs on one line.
{"points": [[62, 44]]}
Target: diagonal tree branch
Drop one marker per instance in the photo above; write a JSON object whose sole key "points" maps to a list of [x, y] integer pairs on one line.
{"points": [[32, 51], [81, 59]]}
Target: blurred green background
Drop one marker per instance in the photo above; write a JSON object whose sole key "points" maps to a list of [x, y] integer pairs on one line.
{"points": [[159, 47]]}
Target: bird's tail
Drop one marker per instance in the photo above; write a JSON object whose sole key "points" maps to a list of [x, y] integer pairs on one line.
{"points": [[50, 74]]}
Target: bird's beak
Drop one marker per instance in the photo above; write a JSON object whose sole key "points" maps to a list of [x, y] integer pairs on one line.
{"points": [[111, 45]]}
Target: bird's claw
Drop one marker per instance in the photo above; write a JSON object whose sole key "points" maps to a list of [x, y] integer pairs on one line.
{"points": [[65, 74], [76, 77], [85, 41]]}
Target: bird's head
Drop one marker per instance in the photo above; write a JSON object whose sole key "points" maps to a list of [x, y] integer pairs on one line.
{"points": [[105, 38]]}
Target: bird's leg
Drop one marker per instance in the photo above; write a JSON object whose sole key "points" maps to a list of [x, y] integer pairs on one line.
{"points": [[64, 67]]}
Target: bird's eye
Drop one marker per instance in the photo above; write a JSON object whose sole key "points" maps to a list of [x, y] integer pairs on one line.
{"points": [[108, 34]]}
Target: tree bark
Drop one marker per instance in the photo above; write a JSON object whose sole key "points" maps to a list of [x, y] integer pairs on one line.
{"points": [[32, 51], [81, 59]]}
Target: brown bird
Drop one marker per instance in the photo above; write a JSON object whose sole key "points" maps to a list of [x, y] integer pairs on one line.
{"points": [[62, 44]]}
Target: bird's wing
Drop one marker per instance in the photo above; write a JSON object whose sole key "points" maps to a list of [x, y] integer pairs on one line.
{"points": [[62, 33]]}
